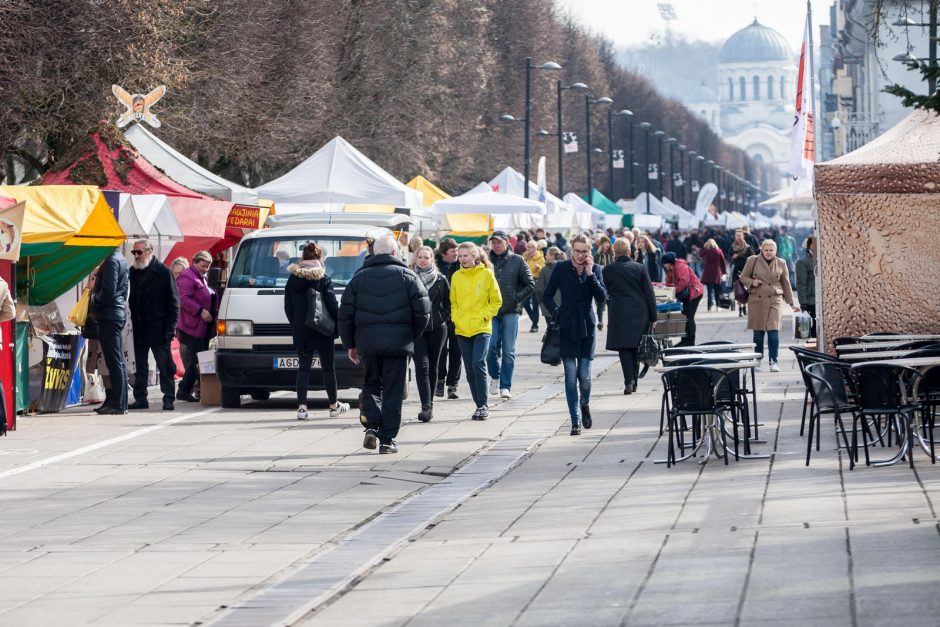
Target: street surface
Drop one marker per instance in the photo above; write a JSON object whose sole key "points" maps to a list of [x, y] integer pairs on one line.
{"points": [[249, 517]]}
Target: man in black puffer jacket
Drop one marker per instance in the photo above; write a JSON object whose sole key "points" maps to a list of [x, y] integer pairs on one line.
{"points": [[515, 285], [108, 306], [383, 309]]}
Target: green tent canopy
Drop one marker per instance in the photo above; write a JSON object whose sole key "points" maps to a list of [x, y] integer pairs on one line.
{"points": [[605, 204]]}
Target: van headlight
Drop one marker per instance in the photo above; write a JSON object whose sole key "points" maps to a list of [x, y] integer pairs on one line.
{"points": [[234, 327]]}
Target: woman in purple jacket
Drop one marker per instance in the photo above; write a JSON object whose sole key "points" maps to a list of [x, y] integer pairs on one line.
{"points": [[198, 308]]}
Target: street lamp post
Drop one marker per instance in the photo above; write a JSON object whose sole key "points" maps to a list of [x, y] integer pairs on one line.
{"points": [[672, 141], [550, 65], [561, 148], [623, 113], [659, 139], [631, 189], [682, 148], [711, 164], [588, 103], [646, 137]]}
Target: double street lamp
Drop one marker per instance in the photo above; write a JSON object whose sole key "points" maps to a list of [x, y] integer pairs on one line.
{"points": [[659, 167], [672, 141], [559, 135], [646, 126], [550, 65], [623, 113]]}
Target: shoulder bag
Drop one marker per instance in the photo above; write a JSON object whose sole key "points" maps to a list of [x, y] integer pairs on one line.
{"points": [[551, 345], [318, 318]]}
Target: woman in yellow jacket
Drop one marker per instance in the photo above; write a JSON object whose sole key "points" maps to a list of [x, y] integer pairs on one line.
{"points": [[474, 300], [536, 261]]}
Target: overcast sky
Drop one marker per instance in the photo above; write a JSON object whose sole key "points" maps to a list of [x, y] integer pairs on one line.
{"points": [[628, 22]]}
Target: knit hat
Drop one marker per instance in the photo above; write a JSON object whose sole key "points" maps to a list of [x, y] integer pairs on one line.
{"points": [[669, 258]]}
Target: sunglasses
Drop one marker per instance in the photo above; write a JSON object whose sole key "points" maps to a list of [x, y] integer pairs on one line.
{"points": [[138, 252]]}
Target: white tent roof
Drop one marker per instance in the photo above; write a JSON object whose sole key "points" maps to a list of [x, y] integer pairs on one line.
{"points": [[656, 207], [149, 216], [509, 181], [686, 219], [493, 203], [733, 219], [580, 205], [647, 221], [185, 171], [337, 175]]}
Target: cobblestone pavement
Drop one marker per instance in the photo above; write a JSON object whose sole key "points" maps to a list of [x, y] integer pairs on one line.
{"points": [[251, 517]]}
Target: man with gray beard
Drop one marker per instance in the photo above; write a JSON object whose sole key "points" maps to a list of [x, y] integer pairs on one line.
{"points": [[155, 306]]}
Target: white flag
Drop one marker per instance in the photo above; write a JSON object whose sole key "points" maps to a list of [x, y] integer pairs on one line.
{"points": [[802, 139], [618, 159], [570, 141], [652, 172]]}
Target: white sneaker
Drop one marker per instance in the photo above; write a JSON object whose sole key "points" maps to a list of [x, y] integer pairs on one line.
{"points": [[494, 387], [341, 408], [505, 393], [302, 413], [774, 367], [759, 366]]}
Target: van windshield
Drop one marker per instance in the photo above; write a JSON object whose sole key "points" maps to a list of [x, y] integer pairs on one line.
{"points": [[263, 262]]}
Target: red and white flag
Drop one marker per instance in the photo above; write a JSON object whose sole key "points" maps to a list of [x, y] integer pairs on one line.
{"points": [[802, 138]]}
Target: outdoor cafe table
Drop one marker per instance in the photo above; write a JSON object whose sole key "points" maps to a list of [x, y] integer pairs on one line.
{"points": [[709, 348], [711, 436], [870, 346], [906, 338], [921, 363], [876, 355]]}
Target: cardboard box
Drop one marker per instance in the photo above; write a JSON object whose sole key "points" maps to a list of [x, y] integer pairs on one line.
{"points": [[206, 362], [210, 391]]}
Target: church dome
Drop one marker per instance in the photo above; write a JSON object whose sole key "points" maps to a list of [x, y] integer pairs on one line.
{"points": [[756, 43]]}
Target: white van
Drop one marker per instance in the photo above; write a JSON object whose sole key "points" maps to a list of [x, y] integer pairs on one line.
{"points": [[255, 353]]}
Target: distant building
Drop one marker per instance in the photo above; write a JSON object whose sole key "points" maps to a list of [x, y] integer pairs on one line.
{"points": [[757, 75]]}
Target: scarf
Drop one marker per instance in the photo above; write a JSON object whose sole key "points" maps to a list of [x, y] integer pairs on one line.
{"points": [[311, 263], [427, 275], [737, 248]]}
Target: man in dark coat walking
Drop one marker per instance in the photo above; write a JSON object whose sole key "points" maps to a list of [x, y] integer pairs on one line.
{"points": [[515, 286], [384, 308], [108, 303], [632, 309], [155, 308]]}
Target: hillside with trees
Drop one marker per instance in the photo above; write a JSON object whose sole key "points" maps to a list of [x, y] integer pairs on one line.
{"points": [[256, 86]]}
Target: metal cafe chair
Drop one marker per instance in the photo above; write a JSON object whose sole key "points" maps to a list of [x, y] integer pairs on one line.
{"points": [[805, 357], [827, 383], [887, 390], [696, 392]]}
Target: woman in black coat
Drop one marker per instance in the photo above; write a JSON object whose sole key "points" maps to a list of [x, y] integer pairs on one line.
{"points": [[304, 276], [430, 344], [580, 283], [632, 309]]}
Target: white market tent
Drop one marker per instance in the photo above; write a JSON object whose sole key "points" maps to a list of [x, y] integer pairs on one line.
{"points": [[334, 176], [507, 211], [586, 215], [650, 204], [641, 220], [758, 221], [509, 181], [686, 219], [734, 220], [149, 216], [185, 171]]}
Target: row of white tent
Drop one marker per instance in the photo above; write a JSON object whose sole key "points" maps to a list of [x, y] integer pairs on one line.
{"points": [[338, 175]]}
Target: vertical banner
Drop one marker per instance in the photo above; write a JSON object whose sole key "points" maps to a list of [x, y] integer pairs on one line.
{"points": [[618, 159], [540, 180], [60, 356], [570, 142], [7, 354], [652, 172]]}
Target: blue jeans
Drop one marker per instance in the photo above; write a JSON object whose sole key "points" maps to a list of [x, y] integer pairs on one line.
{"points": [[505, 330], [577, 378], [773, 343], [473, 352]]}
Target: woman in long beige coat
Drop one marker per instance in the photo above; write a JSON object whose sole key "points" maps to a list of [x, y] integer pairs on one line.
{"points": [[768, 286]]}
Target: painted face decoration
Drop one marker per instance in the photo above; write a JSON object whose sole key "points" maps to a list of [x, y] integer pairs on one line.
{"points": [[137, 106]]}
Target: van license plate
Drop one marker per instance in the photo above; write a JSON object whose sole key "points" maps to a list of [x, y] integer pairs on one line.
{"points": [[292, 363]]}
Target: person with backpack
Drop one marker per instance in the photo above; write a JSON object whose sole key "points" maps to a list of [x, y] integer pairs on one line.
{"points": [[306, 276]]}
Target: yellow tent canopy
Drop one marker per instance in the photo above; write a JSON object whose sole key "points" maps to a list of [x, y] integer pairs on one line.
{"points": [[432, 193], [469, 224], [67, 231]]}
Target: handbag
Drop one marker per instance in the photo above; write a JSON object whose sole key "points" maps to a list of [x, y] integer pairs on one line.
{"points": [[683, 295], [318, 318], [79, 314], [740, 292], [647, 352], [551, 345]]}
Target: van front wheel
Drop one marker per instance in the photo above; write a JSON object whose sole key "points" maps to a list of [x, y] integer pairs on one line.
{"points": [[231, 397], [260, 395]]}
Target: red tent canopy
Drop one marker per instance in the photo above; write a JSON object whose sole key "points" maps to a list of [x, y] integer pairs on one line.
{"points": [[105, 159], [203, 223]]}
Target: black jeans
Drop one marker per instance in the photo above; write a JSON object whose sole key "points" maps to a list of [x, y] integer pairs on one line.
{"points": [[714, 291], [112, 349], [628, 365], [689, 308], [448, 366], [385, 384], [327, 366], [194, 345], [427, 360], [165, 367], [531, 306]]}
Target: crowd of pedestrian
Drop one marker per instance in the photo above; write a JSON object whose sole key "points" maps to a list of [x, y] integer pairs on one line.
{"points": [[452, 308]]}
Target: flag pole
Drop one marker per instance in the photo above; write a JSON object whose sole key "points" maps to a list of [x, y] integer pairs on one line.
{"points": [[820, 327]]}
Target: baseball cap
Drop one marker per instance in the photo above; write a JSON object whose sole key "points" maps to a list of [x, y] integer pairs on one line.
{"points": [[500, 235]]}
